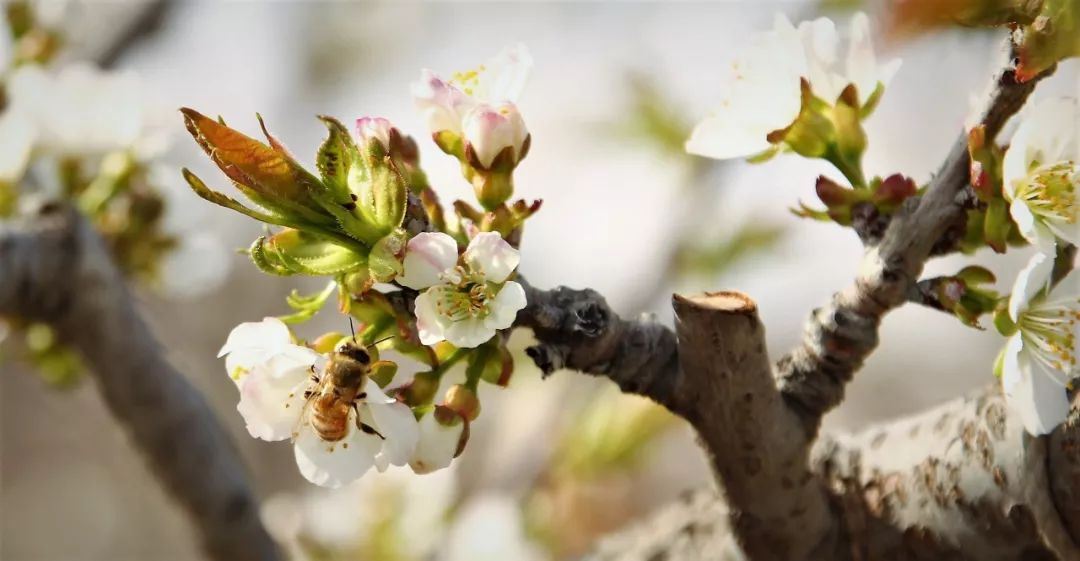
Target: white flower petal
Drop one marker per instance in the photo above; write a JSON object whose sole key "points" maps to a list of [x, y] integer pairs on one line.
{"points": [[440, 104], [820, 45], [490, 528], [469, 333], [270, 404], [503, 77], [489, 129], [493, 256], [1030, 281], [504, 308], [436, 446], [17, 135], [862, 66], [333, 464], [1046, 135], [761, 94], [396, 422], [374, 128], [430, 326], [1040, 402], [427, 256], [270, 333]]}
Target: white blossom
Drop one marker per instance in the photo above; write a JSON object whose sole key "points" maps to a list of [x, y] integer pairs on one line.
{"points": [[490, 528], [468, 299], [762, 93], [78, 110], [1040, 358], [479, 105], [1041, 174], [437, 446], [273, 375]]}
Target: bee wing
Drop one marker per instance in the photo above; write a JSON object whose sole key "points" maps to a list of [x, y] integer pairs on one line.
{"points": [[305, 415]]}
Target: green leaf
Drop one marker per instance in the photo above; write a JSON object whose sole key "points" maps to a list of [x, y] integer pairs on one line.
{"points": [[336, 156], [268, 176], [308, 254]]}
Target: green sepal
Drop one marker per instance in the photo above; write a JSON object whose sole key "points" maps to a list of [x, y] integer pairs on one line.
{"points": [[450, 143], [383, 372], [1002, 322], [997, 224], [382, 194], [490, 362], [385, 260]]}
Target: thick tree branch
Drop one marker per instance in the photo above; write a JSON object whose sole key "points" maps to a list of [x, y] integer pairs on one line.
{"points": [[54, 268], [840, 335], [961, 481], [755, 442]]}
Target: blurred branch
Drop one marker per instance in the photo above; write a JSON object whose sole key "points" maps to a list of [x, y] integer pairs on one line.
{"points": [[145, 19], [840, 335], [54, 268]]}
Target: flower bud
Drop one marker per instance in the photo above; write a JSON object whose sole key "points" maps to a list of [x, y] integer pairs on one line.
{"points": [[489, 130], [463, 400], [421, 390], [374, 129], [327, 342]]}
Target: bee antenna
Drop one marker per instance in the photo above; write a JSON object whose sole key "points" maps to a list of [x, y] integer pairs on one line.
{"points": [[352, 329], [381, 340]]}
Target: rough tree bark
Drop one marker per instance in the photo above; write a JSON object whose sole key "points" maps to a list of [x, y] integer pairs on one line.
{"points": [[54, 268]]}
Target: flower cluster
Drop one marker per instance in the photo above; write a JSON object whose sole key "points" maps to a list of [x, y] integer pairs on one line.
{"points": [[1041, 182], [791, 88], [434, 287]]}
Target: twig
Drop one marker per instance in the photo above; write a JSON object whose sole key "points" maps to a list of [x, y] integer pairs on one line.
{"points": [[840, 335], [55, 269]]}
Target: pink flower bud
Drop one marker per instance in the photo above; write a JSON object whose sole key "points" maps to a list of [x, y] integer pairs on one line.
{"points": [[490, 129]]}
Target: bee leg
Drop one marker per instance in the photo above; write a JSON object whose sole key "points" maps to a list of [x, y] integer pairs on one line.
{"points": [[308, 394], [368, 429]]}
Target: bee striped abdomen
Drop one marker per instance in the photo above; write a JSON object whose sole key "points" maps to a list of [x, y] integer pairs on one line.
{"points": [[330, 418]]}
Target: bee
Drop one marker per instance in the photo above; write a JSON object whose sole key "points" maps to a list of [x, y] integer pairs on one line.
{"points": [[338, 392]]}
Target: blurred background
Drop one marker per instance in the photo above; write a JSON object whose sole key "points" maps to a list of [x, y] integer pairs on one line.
{"points": [[551, 464]]}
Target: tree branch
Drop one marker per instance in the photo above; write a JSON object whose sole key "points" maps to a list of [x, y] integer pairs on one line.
{"points": [[755, 442], [54, 268], [840, 335], [961, 481]]}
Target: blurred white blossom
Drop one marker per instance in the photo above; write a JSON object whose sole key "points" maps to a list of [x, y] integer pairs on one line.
{"points": [[762, 94]]}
